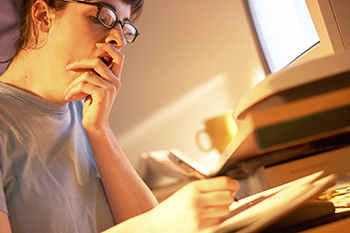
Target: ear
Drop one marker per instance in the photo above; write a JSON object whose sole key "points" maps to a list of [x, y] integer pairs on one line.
{"points": [[41, 16]]}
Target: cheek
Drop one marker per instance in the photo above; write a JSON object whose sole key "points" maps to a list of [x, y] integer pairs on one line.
{"points": [[73, 43], [81, 47], [78, 39]]}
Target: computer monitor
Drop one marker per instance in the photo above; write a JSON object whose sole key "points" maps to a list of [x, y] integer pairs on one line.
{"points": [[313, 60], [293, 31]]}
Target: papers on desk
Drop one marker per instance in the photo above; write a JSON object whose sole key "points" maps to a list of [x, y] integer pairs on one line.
{"points": [[161, 175], [257, 212], [339, 195], [157, 170]]}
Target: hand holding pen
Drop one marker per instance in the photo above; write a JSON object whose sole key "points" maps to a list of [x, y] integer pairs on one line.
{"points": [[191, 171]]}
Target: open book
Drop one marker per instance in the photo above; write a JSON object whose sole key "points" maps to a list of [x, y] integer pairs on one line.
{"points": [[263, 210]]}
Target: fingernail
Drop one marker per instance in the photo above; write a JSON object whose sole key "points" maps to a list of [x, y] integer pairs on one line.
{"points": [[68, 98], [69, 66], [95, 73]]}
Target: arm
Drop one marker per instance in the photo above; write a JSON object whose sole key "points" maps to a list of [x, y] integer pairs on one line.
{"points": [[4, 223], [128, 196]]}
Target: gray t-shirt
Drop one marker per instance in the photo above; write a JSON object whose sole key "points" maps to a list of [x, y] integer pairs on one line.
{"points": [[48, 177]]}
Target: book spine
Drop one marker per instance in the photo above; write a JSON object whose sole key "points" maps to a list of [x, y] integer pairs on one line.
{"points": [[330, 122]]}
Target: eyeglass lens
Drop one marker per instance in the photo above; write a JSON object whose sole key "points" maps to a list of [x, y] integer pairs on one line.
{"points": [[130, 32], [108, 18]]}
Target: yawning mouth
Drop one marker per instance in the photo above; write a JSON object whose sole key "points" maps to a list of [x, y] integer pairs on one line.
{"points": [[107, 60]]}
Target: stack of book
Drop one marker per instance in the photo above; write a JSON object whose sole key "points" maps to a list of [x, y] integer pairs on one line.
{"points": [[298, 112]]}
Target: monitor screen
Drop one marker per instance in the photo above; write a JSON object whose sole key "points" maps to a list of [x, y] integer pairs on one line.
{"points": [[285, 30]]}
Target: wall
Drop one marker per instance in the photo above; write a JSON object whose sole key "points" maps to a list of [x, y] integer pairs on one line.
{"points": [[193, 60]]}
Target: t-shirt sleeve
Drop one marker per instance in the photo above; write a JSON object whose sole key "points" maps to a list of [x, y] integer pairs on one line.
{"points": [[3, 206]]}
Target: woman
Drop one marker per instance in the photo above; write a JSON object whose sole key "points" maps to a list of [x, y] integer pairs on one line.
{"points": [[62, 170]]}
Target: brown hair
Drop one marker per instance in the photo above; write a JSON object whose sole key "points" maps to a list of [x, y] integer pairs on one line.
{"points": [[27, 27], [136, 8]]}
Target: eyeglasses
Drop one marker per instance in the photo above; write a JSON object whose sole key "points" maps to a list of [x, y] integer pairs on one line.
{"points": [[109, 18]]}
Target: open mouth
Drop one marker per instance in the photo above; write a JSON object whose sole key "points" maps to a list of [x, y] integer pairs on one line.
{"points": [[107, 60]]}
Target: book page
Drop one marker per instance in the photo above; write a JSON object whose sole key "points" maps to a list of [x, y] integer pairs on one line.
{"points": [[260, 210]]}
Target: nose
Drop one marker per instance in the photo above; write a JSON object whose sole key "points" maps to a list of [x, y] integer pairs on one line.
{"points": [[116, 37]]}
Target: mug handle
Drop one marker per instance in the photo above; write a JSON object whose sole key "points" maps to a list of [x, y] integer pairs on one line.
{"points": [[198, 134]]}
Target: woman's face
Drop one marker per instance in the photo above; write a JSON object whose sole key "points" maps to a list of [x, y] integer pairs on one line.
{"points": [[75, 33]]}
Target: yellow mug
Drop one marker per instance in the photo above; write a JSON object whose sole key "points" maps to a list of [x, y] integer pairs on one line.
{"points": [[220, 129]]}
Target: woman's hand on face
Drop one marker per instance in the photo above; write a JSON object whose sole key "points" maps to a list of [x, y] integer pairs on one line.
{"points": [[98, 84], [198, 205]]}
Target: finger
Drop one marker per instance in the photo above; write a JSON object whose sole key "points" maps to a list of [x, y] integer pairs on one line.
{"points": [[204, 223], [91, 78], [117, 56], [76, 93], [88, 84], [96, 66], [83, 90], [215, 212], [218, 183], [87, 77], [216, 198]]}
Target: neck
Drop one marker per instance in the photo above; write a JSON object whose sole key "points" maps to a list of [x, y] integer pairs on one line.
{"points": [[30, 71]]}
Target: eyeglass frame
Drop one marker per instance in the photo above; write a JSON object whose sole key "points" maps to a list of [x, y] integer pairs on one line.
{"points": [[99, 7]]}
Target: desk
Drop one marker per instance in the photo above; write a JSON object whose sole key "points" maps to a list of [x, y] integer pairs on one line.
{"points": [[336, 224], [340, 226]]}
